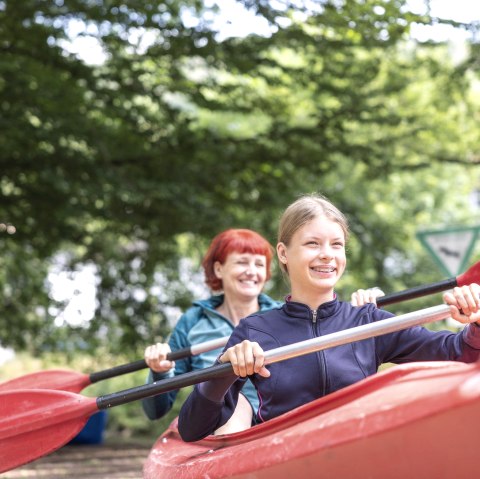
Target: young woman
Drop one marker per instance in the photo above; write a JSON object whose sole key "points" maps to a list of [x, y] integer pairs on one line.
{"points": [[311, 251]]}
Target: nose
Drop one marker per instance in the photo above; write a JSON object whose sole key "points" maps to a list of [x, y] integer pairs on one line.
{"points": [[326, 253], [251, 269]]}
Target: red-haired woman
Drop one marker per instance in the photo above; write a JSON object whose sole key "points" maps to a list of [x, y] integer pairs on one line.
{"points": [[236, 265]]}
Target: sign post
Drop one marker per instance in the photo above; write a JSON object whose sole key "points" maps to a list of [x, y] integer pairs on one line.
{"points": [[451, 248]]}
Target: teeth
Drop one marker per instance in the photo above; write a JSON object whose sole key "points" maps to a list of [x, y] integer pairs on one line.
{"points": [[324, 270]]}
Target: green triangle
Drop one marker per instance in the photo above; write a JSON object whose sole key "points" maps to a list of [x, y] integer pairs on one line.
{"points": [[451, 248]]}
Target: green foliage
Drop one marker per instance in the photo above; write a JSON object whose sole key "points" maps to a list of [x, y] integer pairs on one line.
{"points": [[133, 164]]}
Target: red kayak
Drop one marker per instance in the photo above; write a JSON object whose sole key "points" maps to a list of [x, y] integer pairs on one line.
{"points": [[419, 420]]}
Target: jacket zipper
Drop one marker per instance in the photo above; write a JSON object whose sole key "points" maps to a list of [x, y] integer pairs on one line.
{"points": [[322, 353]]}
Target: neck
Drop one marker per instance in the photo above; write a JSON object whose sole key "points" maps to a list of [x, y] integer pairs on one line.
{"points": [[312, 301], [236, 309]]}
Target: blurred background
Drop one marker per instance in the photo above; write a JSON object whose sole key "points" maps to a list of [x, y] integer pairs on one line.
{"points": [[131, 132]]}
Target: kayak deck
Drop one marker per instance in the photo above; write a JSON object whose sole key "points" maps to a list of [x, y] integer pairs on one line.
{"points": [[418, 419]]}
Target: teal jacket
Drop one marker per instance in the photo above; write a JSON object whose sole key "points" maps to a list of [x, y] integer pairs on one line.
{"points": [[198, 324]]}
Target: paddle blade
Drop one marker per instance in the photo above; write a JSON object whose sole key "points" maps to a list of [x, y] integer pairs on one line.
{"points": [[36, 422], [472, 275], [61, 379]]}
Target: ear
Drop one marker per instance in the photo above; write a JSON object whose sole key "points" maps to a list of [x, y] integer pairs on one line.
{"points": [[217, 269], [282, 253]]}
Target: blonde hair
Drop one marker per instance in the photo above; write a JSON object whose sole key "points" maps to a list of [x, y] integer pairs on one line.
{"points": [[303, 210]]}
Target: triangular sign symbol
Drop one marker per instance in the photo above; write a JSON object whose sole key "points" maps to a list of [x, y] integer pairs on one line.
{"points": [[451, 248]]}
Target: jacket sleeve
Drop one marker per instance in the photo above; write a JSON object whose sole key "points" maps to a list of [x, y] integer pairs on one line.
{"points": [[158, 406], [212, 403], [209, 406], [421, 344]]}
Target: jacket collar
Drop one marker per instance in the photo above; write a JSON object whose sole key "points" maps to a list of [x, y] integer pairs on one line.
{"points": [[216, 300], [301, 310]]}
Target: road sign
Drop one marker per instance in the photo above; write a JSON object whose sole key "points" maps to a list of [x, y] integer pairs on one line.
{"points": [[451, 247]]}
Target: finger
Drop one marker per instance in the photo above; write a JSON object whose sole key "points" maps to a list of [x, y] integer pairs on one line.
{"points": [[475, 290], [463, 299], [458, 306], [264, 372], [249, 358], [469, 297], [457, 315], [448, 297], [354, 299], [361, 296], [259, 358], [160, 366], [151, 355], [375, 293], [240, 364], [148, 353], [245, 358], [162, 350], [155, 357], [372, 294], [231, 356]]}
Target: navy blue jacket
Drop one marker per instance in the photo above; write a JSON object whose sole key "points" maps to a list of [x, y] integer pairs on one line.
{"points": [[296, 381]]}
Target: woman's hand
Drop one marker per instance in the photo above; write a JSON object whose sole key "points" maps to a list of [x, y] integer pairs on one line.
{"points": [[464, 303], [156, 357], [364, 296], [247, 358]]}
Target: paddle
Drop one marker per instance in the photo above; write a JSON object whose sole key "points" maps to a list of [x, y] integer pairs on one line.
{"points": [[472, 275], [35, 422], [73, 381], [66, 380]]}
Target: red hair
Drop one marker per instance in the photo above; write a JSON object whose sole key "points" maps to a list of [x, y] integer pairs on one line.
{"points": [[230, 241]]}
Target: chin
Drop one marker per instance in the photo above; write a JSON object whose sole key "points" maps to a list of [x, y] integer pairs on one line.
{"points": [[251, 293]]}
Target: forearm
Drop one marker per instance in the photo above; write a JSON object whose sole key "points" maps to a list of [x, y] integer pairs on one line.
{"points": [[209, 406], [157, 406]]}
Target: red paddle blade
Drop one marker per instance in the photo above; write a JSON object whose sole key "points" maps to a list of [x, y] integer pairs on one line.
{"points": [[36, 422], [61, 379], [472, 275]]}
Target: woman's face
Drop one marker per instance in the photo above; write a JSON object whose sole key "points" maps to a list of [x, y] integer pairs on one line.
{"points": [[243, 275], [315, 257]]}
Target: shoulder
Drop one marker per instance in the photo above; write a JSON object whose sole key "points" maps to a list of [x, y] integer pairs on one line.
{"points": [[192, 316], [370, 312], [262, 318], [266, 302]]}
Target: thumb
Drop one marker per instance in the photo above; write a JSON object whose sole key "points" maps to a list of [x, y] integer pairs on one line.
{"points": [[264, 372]]}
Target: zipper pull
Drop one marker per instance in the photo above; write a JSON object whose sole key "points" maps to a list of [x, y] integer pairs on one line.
{"points": [[314, 315]]}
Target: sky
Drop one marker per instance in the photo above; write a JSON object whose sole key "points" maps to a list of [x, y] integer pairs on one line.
{"points": [[235, 21], [80, 286]]}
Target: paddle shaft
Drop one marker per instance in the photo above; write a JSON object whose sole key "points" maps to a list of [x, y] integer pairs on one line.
{"points": [[417, 292], [193, 350], [358, 333]]}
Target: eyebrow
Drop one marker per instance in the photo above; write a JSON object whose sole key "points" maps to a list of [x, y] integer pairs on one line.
{"points": [[310, 237]]}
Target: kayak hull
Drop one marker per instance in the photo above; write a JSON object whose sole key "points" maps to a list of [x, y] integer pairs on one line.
{"points": [[415, 420]]}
